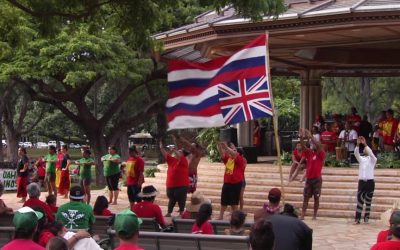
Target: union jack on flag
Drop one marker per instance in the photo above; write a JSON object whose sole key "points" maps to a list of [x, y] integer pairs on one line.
{"points": [[245, 99], [225, 90]]}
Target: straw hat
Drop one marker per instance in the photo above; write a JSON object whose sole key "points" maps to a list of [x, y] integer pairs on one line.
{"points": [[196, 201]]}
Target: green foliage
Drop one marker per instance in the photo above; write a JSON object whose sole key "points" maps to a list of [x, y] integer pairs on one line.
{"points": [[331, 161], [286, 158], [388, 160], [150, 172], [210, 138]]}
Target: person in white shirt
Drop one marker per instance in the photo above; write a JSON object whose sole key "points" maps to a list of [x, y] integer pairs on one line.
{"points": [[366, 183], [348, 138]]}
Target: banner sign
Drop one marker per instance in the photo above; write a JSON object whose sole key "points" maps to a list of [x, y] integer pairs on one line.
{"points": [[8, 176]]}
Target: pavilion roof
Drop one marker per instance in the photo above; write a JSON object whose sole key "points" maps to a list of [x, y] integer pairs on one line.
{"points": [[334, 35]]}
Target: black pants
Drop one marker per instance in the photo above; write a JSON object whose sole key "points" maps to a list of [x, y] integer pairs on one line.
{"points": [[364, 195], [176, 194]]}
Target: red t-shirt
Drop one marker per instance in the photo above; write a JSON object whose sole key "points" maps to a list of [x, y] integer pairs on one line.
{"points": [[329, 138], [134, 169], [44, 237], [54, 209], [298, 156], [128, 247], [234, 168], [41, 168], [22, 244], [105, 212], [387, 245], [178, 172], [354, 120], [60, 157], [35, 202], [206, 228], [315, 161], [383, 236], [147, 209]]}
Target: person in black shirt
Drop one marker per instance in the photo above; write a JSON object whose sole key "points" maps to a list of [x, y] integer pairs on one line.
{"points": [[22, 174], [64, 186], [366, 129]]}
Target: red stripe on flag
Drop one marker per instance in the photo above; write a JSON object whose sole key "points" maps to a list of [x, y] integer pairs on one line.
{"points": [[207, 112], [259, 41]]}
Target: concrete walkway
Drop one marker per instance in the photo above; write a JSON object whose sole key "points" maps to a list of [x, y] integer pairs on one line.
{"points": [[328, 233]]}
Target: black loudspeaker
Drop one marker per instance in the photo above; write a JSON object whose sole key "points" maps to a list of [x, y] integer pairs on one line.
{"points": [[228, 135], [250, 153]]}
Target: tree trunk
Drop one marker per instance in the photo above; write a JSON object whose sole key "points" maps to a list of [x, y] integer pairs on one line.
{"points": [[1, 138], [12, 145], [161, 133], [99, 148], [123, 146]]}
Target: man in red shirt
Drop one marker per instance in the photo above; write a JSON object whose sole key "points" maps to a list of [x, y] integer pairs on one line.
{"points": [[390, 239], [127, 226], [315, 160], [146, 208], [354, 119], [298, 162], [177, 178], [329, 138], [389, 131], [233, 177], [134, 168], [34, 202]]}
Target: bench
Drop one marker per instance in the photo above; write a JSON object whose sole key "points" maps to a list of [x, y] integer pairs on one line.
{"points": [[6, 220], [180, 241], [185, 225], [101, 225], [149, 225], [6, 235]]}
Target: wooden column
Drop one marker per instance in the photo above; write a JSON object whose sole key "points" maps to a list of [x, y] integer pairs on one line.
{"points": [[310, 97]]}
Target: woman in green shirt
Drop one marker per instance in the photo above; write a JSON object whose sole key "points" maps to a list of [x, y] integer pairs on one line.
{"points": [[112, 173], [51, 159], [85, 173]]}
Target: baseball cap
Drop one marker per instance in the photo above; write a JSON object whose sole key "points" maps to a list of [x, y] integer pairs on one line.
{"points": [[76, 193], [26, 219], [395, 217], [127, 223]]}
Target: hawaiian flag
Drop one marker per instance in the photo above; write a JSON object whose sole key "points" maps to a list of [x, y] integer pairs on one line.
{"points": [[223, 91]]}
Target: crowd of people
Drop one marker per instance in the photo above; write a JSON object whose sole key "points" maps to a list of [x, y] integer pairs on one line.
{"points": [[275, 227]]}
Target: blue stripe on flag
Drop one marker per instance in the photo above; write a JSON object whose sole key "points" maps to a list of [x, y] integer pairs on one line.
{"points": [[213, 100]]}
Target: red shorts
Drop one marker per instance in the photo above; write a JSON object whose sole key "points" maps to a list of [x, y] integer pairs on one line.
{"points": [[22, 183]]}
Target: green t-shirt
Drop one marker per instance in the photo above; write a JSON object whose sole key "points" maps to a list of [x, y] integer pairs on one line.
{"points": [[50, 166], [75, 215], [85, 171], [110, 168]]}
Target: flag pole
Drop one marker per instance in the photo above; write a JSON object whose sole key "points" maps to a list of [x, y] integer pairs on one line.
{"points": [[274, 119]]}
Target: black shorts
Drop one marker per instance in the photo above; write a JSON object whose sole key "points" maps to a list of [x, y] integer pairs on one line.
{"points": [[85, 181], [112, 182], [313, 187], [133, 191], [230, 194]]}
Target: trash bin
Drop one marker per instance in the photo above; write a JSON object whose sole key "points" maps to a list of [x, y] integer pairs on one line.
{"points": [[228, 135], [250, 153]]}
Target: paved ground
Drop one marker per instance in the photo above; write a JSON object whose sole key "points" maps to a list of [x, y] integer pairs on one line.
{"points": [[328, 233]]}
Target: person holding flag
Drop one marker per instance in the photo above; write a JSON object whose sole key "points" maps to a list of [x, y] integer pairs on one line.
{"points": [[234, 175]]}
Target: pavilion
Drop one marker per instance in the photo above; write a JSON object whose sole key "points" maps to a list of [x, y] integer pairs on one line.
{"points": [[312, 39]]}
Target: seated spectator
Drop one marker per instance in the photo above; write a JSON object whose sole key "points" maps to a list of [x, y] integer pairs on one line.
{"points": [[146, 208], [51, 200], [196, 201], [393, 242], [127, 226], [238, 218], [298, 162], [262, 236], [272, 207], [25, 222], [34, 202], [76, 214], [386, 235], [3, 208], [202, 224], [57, 243], [54, 229], [328, 139], [290, 210], [101, 206]]}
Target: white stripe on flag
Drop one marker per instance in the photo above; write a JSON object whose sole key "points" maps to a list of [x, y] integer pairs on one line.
{"points": [[193, 100], [183, 74], [181, 122]]}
